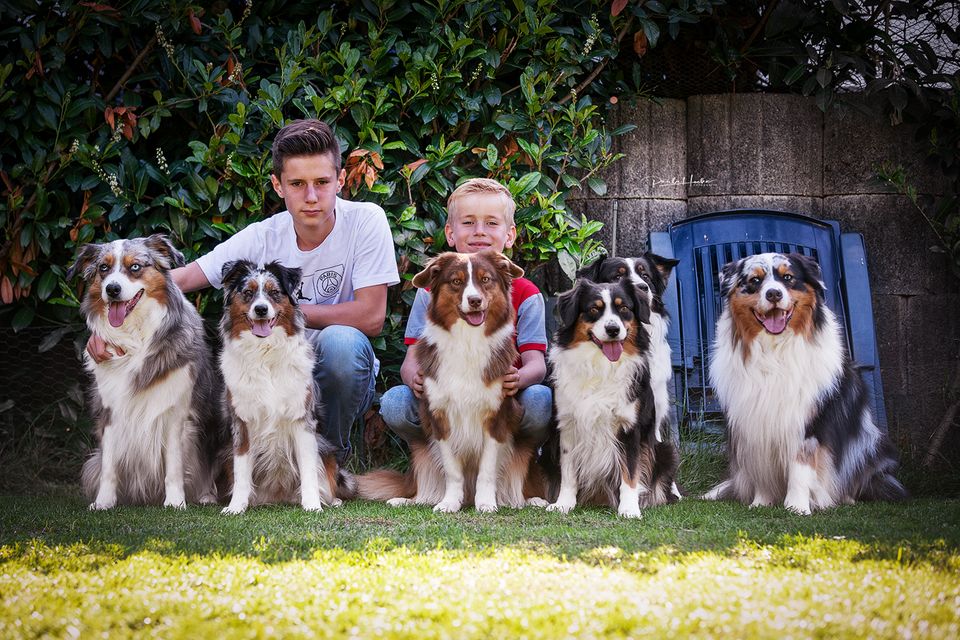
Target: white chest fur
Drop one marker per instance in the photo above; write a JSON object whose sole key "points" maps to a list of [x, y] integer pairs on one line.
{"points": [[592, 405], [457, 387], [268, 378], [770, 396]]}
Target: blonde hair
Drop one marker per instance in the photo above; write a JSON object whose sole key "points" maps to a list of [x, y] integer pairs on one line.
{"points": [[486, 186]]}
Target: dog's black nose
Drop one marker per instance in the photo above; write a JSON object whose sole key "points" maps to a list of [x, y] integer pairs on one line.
{"points": [[774, 295], [113, 290], [612, 329], [260, 310], [474, 301]]}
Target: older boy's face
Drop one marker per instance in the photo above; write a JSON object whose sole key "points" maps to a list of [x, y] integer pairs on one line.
{"points": [[479, 223], [309, 187]]}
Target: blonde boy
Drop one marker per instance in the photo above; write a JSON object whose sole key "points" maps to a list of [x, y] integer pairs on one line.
{"points": [[480, 216]]}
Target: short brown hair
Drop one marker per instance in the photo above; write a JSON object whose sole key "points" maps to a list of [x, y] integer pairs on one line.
{"points": [[483, 185], [304, 138]]}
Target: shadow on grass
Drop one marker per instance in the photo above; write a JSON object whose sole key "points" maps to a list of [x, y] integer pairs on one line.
{"points": [[915, 531]]}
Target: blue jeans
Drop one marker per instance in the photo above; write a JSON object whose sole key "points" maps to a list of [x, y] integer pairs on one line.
{"points": [[345, 372], [400, 410]]}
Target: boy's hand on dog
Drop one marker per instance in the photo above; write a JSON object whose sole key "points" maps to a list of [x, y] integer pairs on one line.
{"points": [[97, 349], [417, 385], [511, 382]]}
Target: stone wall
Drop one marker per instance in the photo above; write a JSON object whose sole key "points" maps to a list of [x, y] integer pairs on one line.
{"points": [[780, 152]]}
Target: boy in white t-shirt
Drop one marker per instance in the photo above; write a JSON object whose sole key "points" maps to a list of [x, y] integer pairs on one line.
{"points": [[345, 252], [480, 216]]}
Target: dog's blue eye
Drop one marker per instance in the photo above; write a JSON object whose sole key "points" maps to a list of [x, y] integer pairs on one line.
{"points": [[788, 278], [104, 268], [135, 267]]}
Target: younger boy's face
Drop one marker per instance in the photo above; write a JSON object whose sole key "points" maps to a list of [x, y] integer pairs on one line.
{"points": [[479, 223], [309, 187]]}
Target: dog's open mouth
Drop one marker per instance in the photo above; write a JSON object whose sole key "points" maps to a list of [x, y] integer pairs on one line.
{"points": [[119, 311], [475, 318], [263, 328], [775, 321], [612, 349]]}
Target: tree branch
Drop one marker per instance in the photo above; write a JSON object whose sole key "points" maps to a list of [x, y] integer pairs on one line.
{"points": [[133, 67], [593, 74]]}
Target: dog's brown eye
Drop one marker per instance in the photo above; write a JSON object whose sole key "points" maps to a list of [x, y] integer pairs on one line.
{"points": [[755, 281], [485, 279], [456, 282], [593, 311], [624, 310], [247, 295]]}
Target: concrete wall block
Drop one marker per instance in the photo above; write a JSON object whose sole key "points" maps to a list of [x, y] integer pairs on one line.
{"points": [[754, 144], [656, 153], [856, 143], [930, 329], [637, 218], [811, 206], [898, 243]]}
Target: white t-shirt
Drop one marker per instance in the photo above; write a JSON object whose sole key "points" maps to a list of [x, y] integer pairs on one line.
{"points": [[358, 253]]}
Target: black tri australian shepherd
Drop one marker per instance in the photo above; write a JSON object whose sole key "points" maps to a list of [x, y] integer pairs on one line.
{"points": [[158, 423], [649, 273], [271, 399], [606, 438], [470, 452], [800, 429]]}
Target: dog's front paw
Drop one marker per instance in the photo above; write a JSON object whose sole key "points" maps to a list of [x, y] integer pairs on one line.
{"points": [[102, 504], [562, 507], [208, 499], [310, 505], [799, 507], [486, 507], [234, 509], [629, 511], [537, 502], [336, 502], [760, 501], [399, 502], [180, 504], [448, 506]]}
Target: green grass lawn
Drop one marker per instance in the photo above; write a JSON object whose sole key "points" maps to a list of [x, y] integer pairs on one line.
{"points": [[366, 570]]}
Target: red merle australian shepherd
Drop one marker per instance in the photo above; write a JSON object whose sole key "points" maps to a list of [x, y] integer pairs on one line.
{"points": [[800, 429], [271, 399], [471, 453], [609, 452], [158, 423]]}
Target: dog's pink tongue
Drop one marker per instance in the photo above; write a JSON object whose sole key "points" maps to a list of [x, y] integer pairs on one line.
{"points": [[612, 350], [476, 318], [775, 321], [117, 313], [262, 328]]}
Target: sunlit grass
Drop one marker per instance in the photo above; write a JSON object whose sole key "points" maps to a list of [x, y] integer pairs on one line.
{"points": [[365, 570]]}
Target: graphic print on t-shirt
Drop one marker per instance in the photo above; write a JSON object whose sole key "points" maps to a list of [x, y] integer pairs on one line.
{"points": [[324, 284]]}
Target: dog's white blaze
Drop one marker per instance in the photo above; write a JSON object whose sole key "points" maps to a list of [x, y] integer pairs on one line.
{"points": [[609, 317], [469, 290], [588, 430], [767, 428], [128, 288], [261, 298], [270, 397]]}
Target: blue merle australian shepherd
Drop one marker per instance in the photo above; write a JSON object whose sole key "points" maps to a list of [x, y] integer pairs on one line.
{"points": [[800, 429]]}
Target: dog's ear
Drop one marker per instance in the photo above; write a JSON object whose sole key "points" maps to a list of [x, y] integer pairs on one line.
{"points": [[85, 264], [728, 277], [592, 270], [663, 265], [567, 309], [425, 278], [166, 256], [231, 275], [505, 265], [640, 304], [810, 271], [288, 277]]}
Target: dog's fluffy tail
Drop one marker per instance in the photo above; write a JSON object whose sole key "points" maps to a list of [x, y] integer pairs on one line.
{"points": [[385, 484], [346, 485]]}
